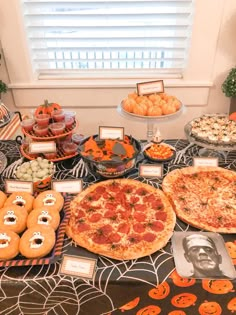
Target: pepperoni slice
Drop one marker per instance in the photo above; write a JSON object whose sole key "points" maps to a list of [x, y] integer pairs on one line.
{"points": [[111, 206], [95, 217], [141, 191], [149, 198], [114, 238], [134, 238], [100, 239], [125, 215], [139, 227], [140, 207], [123, 228], [149, 237], [134, 200], [100, 190], [115, 187], [110, 214], [157, 204], [156, 226], [82, 227], [105, 230], [128, 189], [139, 216], [121, 198], [161, 215]]}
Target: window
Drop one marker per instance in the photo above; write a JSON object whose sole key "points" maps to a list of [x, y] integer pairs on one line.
{"points": [[111, 35]]}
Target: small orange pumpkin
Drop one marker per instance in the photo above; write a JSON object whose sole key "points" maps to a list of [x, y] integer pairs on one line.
{"points": [[154, 111], [210, 308], [231, 247], [180, 281], [47, 108], [149, 310], [130, 305], [160, 292], [177, 312], [232, 305], [217, 286], [140, 109], [232, 116], [183, 300]]}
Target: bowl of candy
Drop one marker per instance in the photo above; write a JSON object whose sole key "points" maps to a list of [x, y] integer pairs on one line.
{"points": [[109, 158], [159, 152], [38, 171]]}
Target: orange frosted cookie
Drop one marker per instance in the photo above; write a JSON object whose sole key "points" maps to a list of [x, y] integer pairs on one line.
{"points": [[9, 244], [49, 198], [22, 199], [44, 216], [13, 218]]}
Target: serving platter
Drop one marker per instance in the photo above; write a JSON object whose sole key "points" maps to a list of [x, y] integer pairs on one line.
{"points": [[56, 252]]}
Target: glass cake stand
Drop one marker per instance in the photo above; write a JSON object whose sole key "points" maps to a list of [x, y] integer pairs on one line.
{"points": [[150, 121], [208, 149]]}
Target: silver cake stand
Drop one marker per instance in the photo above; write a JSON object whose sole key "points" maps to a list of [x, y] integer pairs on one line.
{"points": [[150, 121]]}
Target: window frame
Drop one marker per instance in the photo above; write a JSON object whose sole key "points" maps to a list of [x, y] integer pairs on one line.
{"points": [[193, 87]]}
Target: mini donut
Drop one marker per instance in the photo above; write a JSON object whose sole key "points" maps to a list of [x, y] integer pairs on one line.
{"points": [[22, 199], [13, 218], [37, 241], [9, 244], [44, 216], [3, 198], [49, 198]]}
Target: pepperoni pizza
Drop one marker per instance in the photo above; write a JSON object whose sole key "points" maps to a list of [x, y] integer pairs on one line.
{"points": [[122, 219], [204, 197]]}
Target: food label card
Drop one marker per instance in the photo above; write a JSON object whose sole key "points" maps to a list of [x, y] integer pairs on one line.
{"points": [[148, 170], [17, 185], [68, 186], [77, 266], [144, 88], [202, 161], [111, 132], [43, 146]]}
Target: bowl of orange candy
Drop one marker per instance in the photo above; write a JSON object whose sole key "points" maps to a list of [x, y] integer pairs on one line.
{"points": [[159, 152]]}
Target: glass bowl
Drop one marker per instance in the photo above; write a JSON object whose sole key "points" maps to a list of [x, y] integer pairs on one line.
{"points": [[114, 163], [159, 152]]}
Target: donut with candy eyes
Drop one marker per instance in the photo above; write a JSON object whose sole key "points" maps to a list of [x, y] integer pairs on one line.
{"points": [[37, 241], [13, 218], [3, 198], [44, 216], [9, 244], [49, 198], [22, 199]]}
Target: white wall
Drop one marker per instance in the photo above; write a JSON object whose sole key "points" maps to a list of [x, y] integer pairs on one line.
{"points": [[98, 105]]}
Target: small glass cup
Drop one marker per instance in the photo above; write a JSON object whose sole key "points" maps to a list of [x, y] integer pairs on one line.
{"points": [[69, 120], [42, 119], [57, 128], [77, 138], [69, 148], [27, 124], [40, 131], [58, 115]]}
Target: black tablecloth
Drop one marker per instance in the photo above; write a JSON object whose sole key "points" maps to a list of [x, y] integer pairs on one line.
{"points": [[42, 289]]}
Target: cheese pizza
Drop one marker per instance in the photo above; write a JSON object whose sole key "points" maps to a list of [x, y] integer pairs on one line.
{"points": [[121, 218], [204, 197]]}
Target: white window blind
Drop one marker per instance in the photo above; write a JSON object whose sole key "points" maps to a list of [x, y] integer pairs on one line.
{"points": [[108, 35]]}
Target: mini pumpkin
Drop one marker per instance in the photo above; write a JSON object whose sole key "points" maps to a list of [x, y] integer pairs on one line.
{"points": [[140, 109], [160, 292], [183, 300], [217, 286], [47, 108], [177, 312], [149, 310], [232, 305], [130, 305], [232, 116], [180, 281], [210, 308]]}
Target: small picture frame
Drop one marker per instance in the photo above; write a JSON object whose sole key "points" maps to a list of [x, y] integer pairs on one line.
{"points": [[202, 255]]}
